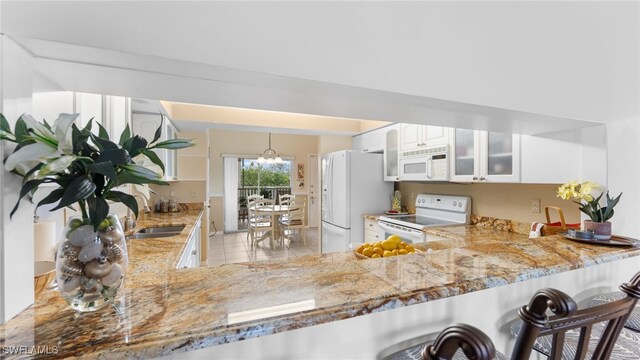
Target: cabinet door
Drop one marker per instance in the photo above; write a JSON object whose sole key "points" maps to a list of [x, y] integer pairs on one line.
{"points": [[373, 141], [118, 115], [391, 149], [89, 106], [411, 136], [464, 155], [436, 136], [170, 156], [500, 157], [356, 142]]}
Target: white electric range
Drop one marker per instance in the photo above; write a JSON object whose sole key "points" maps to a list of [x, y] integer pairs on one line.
{"points": [[431, 211]]}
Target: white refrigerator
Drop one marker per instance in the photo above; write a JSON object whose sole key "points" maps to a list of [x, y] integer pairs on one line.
{"points": [[352, 185]]}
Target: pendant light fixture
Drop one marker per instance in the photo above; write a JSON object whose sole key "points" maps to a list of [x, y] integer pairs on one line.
{"points": [[270, 156]]}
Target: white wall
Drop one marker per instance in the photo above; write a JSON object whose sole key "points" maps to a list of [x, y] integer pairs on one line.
{"points": [[16, 240], [571, 59], [624, 174]]}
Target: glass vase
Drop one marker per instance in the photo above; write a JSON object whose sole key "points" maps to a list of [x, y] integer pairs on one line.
{"points": [[91, 265]]}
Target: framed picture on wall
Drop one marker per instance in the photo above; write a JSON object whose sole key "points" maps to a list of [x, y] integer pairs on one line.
{"points": [[300, 172]]}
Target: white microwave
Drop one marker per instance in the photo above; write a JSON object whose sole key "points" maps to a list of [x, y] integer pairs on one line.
{"points": [[429, 164]]}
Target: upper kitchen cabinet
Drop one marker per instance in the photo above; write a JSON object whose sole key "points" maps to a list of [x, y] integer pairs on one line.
{"points": [[391, 153], [112, 112], [371, 141], [413, 136], [145, 125], [481, 156]]}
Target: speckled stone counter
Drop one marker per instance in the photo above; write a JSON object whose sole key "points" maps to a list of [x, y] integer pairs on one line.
{"points": [[372, 216], [163, 310]]}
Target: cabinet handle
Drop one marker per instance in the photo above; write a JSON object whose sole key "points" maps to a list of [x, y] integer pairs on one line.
{"points": [[365, 150], [482, 178], [185, 267], [194, 252], [475, 178], [370, 225]]}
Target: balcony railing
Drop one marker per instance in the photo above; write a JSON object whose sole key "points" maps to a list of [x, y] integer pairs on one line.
{"points": [[269, 192]]}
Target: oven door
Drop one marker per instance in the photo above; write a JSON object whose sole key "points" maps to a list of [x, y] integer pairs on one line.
{"points": [[407, 234]]}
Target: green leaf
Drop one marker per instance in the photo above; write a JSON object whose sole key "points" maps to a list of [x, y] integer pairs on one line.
{"points": [[124, 177], [104, 168], [46, 125], [80, 189], [154, 158], [174, 144], [34, 169], [22, 131], [135, 145], [128, 200], [158, 133], [126, 135], [116, 156], [79, 139], [87, 128], [53, 197], [4, 124], [98, 210], [104, 143], [141, 171], [102, 132], [26, 188]]}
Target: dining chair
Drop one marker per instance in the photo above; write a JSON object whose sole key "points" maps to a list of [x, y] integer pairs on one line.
{"points": [[595, 332], [287, 199], [261, 221], [295, 220], [251, 199]]}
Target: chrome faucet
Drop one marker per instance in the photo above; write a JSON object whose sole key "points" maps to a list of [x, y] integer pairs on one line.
{"points": [[144, 203], [129, 221]]}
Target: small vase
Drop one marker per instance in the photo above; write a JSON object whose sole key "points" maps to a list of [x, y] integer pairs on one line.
{"points": [[601, 230], [90, 265]]}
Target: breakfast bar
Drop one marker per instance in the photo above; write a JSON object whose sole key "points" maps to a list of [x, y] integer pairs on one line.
{"points": [[169, 311]]}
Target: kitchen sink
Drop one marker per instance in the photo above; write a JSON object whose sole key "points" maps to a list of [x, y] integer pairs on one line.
{"points": [[161, 229], [140, 235]]}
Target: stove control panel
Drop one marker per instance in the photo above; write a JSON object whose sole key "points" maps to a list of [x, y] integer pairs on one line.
{"points": [[444, 202]]}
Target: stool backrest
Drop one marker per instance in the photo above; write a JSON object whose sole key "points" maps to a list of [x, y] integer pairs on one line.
{"points": [[476, 345], [567, 317]]}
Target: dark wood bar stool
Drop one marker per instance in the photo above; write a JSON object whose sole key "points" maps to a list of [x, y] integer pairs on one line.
{"points": [[591, 333]]}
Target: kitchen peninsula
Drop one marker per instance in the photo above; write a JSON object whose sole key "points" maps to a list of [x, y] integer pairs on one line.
{"points": [[164, 310]]}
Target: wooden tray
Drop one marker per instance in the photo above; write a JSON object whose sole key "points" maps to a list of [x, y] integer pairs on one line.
{"points": [[614, 241]]}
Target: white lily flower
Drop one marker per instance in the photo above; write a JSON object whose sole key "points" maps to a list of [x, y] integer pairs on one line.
{"points": [[29, 156], [62, 130], [38, 128], [56, 166]]}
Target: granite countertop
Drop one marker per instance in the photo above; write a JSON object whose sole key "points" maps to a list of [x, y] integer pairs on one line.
{"points": [[164, 310]]}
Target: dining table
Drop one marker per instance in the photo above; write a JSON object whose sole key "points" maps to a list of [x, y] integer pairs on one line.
{"points": [[276, 212]]}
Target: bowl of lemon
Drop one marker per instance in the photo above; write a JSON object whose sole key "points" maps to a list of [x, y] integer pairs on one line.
{"points": [[392, 246]]}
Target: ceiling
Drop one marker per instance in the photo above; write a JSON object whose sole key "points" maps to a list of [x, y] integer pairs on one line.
{"points": [[526, 67]]}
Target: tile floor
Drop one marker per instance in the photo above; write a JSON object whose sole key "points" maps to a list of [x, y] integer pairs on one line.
{"points": [[235, 248]]}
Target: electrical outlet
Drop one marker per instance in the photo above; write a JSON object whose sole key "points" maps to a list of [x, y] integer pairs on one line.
{"points": [[535, 205]]}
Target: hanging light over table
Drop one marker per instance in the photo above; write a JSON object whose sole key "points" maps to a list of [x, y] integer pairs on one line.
{"points": [[270, 156]]}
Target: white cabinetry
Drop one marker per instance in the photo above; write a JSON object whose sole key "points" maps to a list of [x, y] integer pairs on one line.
{"points": [[191, 256], [391, 153], [413, 136], [371, 141], [372, 232], [145, 125], [112, 112], [551, 159], [481, 156]]}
